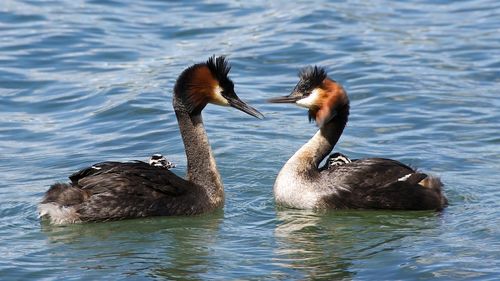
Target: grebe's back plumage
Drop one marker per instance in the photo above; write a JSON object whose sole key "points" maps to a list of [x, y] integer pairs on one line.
{"points": [[102, 168], [372, 183], [380, 183], [117, 190]]}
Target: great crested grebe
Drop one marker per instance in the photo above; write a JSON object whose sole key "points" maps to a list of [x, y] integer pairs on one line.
{"points": [[115, 190], [371, 183]]}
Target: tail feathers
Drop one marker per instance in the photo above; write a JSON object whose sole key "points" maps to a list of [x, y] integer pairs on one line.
{"points": [[413, 178], [435, 184], [431, 182], [58, 214], [59, 203]]}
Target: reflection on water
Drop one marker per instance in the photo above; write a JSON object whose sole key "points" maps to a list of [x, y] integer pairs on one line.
{"points": [[174, 248], [333, 244], [302, 245]]}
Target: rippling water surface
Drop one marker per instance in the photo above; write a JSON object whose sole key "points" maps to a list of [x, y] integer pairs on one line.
{"points": [[88, 81]]}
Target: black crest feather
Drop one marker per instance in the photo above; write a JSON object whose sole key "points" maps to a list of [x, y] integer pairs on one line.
{"points": [[219, 67], [312, 77]]}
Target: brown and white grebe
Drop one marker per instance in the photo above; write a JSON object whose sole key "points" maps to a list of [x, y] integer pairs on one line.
{"points": [[371, 183], [116, 190]]}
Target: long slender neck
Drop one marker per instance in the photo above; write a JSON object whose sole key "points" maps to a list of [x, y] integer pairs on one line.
{"points": [[201, 166], [309, 156]]}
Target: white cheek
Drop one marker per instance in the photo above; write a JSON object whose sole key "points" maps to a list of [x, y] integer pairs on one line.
{"points": [[310, 100], [218, 98]]}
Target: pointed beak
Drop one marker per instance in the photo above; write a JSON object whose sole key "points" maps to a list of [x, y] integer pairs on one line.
{"points": [[239, 104], [291, 98], [286, 99]]}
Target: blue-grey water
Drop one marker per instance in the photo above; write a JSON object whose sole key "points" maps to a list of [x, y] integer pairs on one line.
{"points": [[88, 81]]}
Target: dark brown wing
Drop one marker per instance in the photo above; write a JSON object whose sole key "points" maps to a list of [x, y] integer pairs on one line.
{"points": [[404, 195], [127, 190], [378, 183], [94, 170], [115, 190], [368, 172], [128, 177]]}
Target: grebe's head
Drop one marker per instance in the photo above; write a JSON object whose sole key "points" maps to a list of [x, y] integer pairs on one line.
{"points": [[208, 82], [323, 96]]}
